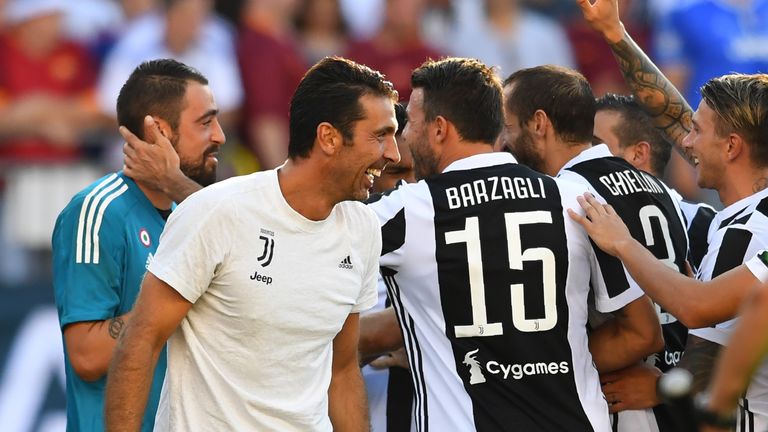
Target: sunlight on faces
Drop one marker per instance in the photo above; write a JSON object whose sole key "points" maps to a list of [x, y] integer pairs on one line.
{"points": [[372, 147], [606, 122], [706, 147], [395, 172], [518, 139], [425, 161], [199, 135]]}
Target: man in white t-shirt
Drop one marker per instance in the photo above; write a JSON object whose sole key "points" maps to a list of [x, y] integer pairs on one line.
{"points": [[258, 281]]}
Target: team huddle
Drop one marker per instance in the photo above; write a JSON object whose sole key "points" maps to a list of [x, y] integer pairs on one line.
{"points": [[538, 274]]}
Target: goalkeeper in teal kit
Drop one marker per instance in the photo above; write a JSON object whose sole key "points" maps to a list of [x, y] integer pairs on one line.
{"points": [[105, 238]]}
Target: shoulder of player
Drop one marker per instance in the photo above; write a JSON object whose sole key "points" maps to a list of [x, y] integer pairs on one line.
{"points": [[106, 198], [228, 192]]}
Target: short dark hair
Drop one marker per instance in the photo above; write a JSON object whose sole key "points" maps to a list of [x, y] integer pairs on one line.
{"points": [[330, 92], [464, 91], [155, 87], [402, 117], [562, 93], [636, 126], [741, 104]]}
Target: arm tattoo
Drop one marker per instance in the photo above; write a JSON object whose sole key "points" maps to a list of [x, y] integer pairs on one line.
{"points": [[699, 359], [116, 327], [661, 100]]}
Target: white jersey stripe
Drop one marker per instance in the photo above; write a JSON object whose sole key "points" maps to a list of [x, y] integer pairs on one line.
{"points": [[91, 216], [81, 220], [99, 219], [411, 349]]}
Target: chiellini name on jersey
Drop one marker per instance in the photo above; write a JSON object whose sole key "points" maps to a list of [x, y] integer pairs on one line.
{"points": [[628, 182], [492, 189]]}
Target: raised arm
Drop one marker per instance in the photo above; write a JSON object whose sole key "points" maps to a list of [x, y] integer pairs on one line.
{"points": [[156, 163], [696, 304], [347, 403], [666, 106], [158, 312]]}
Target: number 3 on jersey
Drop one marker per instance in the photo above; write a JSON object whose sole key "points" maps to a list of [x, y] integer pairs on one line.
{"points": [[517, 256]]}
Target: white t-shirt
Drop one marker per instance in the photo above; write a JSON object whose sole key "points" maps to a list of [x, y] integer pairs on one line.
{"points": [[270, 291]]}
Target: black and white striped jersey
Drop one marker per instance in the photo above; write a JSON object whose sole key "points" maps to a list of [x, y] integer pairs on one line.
{"points": [[737, 234], [653, 217], [489, 278], [698, 217]]}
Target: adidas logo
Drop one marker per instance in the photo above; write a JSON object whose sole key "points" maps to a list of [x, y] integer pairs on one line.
{"points": [[346, 263]]}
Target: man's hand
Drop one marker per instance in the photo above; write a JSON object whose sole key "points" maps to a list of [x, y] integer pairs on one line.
{"points": [[603, 17], [602, 224], [393, 359], [633, 388], [154, 163]]}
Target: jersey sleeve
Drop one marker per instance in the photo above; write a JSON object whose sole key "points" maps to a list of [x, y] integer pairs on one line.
{"points": [[369, 295], [390, 211], [612, 286], [758, 265], [194, 244], [86, 269]]}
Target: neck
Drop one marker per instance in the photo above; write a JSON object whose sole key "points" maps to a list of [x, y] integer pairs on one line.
{"points": [[743, 184], [463, 150], [305, 189], [156, 197], [561, 154]]}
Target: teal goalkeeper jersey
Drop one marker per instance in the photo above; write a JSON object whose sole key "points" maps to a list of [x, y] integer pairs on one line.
{"points": [[103, 242]]}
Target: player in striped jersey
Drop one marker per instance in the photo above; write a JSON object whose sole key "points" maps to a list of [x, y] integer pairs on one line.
{"points": [[627, 130], [725, 139], [541, 132], [105, 238], [489, 282]]}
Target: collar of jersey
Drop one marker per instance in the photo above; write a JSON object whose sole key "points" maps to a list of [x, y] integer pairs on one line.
{"points": [[594, 152], [741, 204], [480, 160]]}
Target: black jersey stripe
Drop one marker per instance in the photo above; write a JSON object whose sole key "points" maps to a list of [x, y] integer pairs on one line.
{"points": [[732, 250], [727, 221], [414, 353], [393, 233], [698, 231]]}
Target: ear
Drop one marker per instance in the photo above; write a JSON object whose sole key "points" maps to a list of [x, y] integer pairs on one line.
{"points": [[440, 128], [735, 146], [540, 122], [164, 126], [641, 153], [328, 138]]}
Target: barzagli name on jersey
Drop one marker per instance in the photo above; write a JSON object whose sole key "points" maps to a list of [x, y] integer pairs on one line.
{"points": [[494, 188]]}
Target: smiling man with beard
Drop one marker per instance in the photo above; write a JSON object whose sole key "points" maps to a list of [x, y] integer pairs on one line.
{"points": [[107, 235], [259, 279]]}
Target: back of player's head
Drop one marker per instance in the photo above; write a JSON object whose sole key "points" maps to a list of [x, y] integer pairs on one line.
{"points": [[562, 93], [157, 88], [463, 91], [330, 92], [636, 126], [741, 104]]}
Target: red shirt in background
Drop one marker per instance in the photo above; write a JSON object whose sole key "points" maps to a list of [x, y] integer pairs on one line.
{"points": [[68, 71]]}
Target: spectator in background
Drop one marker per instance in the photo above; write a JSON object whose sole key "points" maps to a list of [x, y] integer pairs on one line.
{"points": [[184, 30], [703, 39], [47, 107], [322, 30], [272, 66], [509, 36], [398, 47]]}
